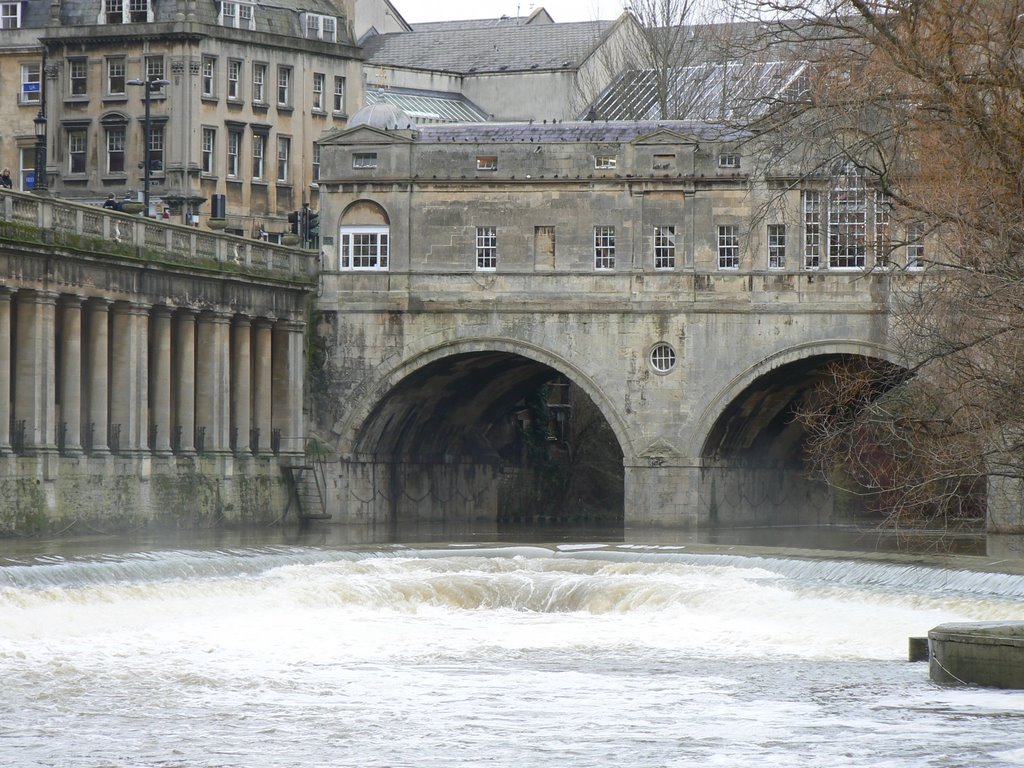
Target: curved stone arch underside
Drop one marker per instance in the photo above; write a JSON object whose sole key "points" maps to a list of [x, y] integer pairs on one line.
{"points": [[390, 374], [801, 353]]}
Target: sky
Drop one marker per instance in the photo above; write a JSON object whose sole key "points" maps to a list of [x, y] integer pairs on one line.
{"points": [[415, 11]]}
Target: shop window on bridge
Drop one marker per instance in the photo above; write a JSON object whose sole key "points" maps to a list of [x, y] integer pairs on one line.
{"points": [[848, 220], [363, 248]]}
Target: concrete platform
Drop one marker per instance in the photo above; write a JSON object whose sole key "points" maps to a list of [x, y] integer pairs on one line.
{"points": [[988, 653]]}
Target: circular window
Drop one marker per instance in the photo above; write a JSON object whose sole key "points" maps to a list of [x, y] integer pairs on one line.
{"points": [[663, 357]]}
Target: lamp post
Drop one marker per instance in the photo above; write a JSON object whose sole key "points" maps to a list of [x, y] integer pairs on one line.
{"points": [[39, 182], [150, 86]]}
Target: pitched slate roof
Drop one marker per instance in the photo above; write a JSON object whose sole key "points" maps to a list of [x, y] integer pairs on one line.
{"points": [[488, 49], [583, 130]]}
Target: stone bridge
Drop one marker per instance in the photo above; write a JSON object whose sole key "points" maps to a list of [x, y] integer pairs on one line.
{"points": [[696, 375]]}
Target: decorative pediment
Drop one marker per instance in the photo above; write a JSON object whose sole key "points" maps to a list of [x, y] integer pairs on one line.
{"points": [[365, 134], [663, 136]]}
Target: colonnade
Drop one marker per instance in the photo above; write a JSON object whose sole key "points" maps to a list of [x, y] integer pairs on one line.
{"points": [[92, 375]]}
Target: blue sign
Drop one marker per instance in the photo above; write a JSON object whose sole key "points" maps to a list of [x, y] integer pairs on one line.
{"points": [[30, 180], [31, 87]]}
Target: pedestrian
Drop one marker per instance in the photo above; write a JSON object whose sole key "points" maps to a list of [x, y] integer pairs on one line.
{"points": [[111, 202], [5, 179]]}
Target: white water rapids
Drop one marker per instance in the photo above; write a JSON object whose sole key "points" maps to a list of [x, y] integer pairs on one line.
{"points": [[512, 656]]}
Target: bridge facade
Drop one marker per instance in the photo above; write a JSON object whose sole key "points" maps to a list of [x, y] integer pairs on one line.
{"points": [[695, 302]]}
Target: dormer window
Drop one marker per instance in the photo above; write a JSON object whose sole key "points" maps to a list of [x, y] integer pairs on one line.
{"points": [[320, 27], [126, 12], [10, 15], [237, 15]]}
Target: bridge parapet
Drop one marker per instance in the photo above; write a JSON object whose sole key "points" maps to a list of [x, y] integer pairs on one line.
{"points": [[26, 217]]}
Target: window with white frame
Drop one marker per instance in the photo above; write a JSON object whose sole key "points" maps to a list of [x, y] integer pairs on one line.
{"points": [[78, 144], [729, 160], [320, 27], [259, 81], [115, 136], [363, 248], [78, 77], [284, 151], [155, 71], [125, 12], [116, 76], [258, 147], [728, 247], [810, 207], [339, 94], [486, 162], [237, 15], [915, 245], [486, 249], [208, 76], [316, 162], [882, 243], [31, 84], [318, 91], [663, 357], [605, 162], [234, 153], [10, 15], [156, 148], [364, 159], [848, 220], [776, 246], [209, 150], [665, 247], [234, 79], [284, 86], [604, 248]]}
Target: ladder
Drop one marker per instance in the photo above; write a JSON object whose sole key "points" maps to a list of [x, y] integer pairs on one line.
{"points": [[307, 489]]}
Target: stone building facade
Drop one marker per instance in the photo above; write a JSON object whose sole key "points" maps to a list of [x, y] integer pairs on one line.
{"points": [[250, 89]]}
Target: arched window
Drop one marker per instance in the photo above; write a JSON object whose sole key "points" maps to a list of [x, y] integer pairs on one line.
{"points": [[364, 238]]}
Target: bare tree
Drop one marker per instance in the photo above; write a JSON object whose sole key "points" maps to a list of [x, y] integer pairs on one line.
{"points": [[926, 99]]}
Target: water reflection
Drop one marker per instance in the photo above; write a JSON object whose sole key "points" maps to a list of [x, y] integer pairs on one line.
{"points": [[829, 538]]}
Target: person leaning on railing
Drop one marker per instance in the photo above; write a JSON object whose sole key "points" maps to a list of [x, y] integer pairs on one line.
{"points": [[5, 179]]}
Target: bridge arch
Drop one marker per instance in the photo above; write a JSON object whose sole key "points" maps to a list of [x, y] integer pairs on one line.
{"points": [[772, 385], [366, 421]]}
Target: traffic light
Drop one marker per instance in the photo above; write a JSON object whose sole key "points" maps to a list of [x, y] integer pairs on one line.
{"points": [[312, 225], [293, 219]]}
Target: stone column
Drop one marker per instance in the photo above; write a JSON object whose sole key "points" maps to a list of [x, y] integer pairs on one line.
{"points": [[184, 418], [96, 362], [35, 400], [213, 380], [71, 374], [262, 385], [160, 380], [129, 370], [241, 396], [288, 375], [5, 370]]}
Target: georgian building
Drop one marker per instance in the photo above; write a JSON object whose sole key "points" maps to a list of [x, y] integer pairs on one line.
{"points": [[250, 88], [647, 197]]}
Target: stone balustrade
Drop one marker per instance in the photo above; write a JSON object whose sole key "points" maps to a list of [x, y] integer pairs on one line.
{"points": [[26, 217]]}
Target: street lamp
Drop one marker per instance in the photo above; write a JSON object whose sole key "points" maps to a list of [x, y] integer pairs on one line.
{"points": [[39, 182], [150, 86]]}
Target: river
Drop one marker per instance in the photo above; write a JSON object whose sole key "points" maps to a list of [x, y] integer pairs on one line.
{"points": [[575, 655]]}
